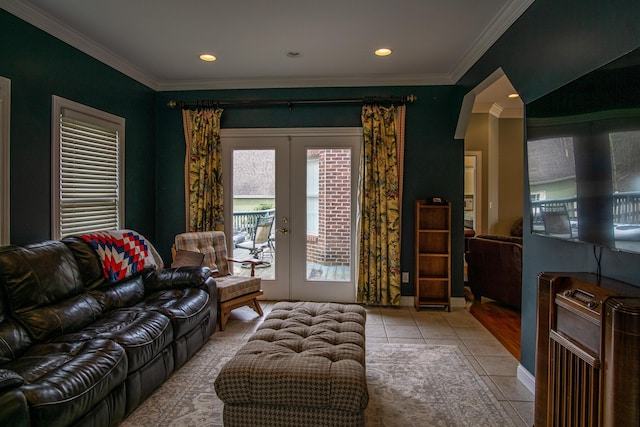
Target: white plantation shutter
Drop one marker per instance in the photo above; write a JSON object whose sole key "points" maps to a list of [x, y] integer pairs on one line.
{"points": [[88, 159]]}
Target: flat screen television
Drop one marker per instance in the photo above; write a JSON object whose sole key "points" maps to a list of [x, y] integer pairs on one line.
{"points": [[583, 150]]}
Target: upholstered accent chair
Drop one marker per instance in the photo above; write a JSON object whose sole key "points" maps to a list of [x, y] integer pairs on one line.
{"points": [[233, 291]]}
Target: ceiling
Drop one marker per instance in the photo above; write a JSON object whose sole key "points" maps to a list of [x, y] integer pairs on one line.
{"points": [[158, 42]]}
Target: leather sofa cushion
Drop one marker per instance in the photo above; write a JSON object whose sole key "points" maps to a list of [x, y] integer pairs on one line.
{"points": [[142, 334], [44, 290], [64, 380], [38, 275], [126, 293], [185, 307], [89, 263], [68, 315]]}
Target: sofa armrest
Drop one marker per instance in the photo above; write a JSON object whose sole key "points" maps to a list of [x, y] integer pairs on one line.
{"points": [[9, 379], [495, 268], [14, 410], [177, 278]]}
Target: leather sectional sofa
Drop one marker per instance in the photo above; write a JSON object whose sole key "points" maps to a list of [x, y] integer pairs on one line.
{"points": [[494, 268], [78, 349]]}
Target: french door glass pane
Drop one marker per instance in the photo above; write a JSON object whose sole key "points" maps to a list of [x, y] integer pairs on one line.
{"points": [[329, 234], [254, 200]]}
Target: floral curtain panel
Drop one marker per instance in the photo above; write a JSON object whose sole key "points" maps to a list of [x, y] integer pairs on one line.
{"points": [[203, 170], [379, 243]]}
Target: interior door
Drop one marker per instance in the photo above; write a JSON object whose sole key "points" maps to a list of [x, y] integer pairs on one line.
{"points": [[307, 179]]}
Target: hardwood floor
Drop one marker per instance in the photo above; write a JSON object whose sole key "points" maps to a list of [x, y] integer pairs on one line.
{"points": [[503, 322]]}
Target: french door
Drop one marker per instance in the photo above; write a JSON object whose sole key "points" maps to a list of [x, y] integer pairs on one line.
{"points": [[306, 178]]}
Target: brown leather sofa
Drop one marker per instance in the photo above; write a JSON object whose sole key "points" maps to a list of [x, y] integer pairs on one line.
{"points": [[494, 268], [77, 349]]}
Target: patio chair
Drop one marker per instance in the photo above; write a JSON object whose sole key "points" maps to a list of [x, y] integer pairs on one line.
{"points": [[260, 239], [556, 219], [233, 291]]}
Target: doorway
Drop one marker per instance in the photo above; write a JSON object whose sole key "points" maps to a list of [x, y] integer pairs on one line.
{"points": [[306, 179], [473, 191], [492, 126]]}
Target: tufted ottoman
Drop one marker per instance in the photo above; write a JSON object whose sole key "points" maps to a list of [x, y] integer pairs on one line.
{"points": [[304, 366]]}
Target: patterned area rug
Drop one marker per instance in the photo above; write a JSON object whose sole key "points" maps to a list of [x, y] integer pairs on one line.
{"points": [[409, 385]]}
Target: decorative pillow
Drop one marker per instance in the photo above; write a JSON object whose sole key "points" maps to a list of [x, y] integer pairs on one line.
{"points": [[123, 253], [187, 258]]}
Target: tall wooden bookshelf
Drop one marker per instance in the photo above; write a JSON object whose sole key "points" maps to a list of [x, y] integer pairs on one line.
{"points": [[433, 254]]}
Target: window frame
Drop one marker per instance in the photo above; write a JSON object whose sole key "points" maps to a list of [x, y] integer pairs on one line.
{"points": [[313, 194], [5, 133], [93, 117]]}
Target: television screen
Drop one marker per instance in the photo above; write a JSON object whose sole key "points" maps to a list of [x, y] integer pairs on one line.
{"points": [[583, 150]]}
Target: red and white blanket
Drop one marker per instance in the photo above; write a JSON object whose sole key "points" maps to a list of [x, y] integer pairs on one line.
{"points": [[123, 252]]}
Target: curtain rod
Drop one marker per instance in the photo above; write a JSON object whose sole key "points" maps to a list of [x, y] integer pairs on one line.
{"points": [[290, 102]]}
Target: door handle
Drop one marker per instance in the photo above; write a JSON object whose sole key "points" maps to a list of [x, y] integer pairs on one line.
{"points": [[284, 230]]}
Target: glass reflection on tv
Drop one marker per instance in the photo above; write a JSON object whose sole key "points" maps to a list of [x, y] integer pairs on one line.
{"points": [[583, 148]]}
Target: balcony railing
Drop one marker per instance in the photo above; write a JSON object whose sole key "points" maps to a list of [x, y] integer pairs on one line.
{"points": [[626, 208], [245, 221]]}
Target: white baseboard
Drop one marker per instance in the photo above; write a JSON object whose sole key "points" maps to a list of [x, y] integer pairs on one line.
{"points": [[458, 302], [406, 301], [525, 377]]}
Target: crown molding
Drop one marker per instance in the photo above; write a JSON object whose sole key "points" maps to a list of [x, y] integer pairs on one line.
{"points": [[496, 110], [512, 113], [500, 23], [482, 107], [297, 82]]}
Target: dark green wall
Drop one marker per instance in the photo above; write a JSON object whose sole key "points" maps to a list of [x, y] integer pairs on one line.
{"points": [[433, 160], [40, 66], [551, 44]]}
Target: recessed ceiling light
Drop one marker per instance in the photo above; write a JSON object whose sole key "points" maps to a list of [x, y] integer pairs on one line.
{"points": [[207, 57], [514, 95], [383, 51]]}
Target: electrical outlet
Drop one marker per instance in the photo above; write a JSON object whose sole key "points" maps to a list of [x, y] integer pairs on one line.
{"points": [[405, 277]]}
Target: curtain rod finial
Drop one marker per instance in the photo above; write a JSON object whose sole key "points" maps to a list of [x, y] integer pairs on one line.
{"points": [[412, 98], [172, 104]]}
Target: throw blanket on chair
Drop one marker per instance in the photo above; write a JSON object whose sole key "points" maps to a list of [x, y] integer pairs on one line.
{"points": [[123, 253]]}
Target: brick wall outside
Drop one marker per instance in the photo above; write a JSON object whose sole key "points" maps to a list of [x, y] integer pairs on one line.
{"points": [[333, 243]]}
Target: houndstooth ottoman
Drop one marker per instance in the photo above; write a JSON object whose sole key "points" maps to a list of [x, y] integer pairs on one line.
{"points": [[304, 366]]}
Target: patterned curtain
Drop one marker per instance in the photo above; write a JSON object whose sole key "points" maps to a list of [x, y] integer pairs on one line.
{"points": [[379, 242], [203, 170]]}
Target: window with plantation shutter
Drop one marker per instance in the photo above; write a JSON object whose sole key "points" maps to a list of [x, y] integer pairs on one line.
{"points": [[88, 167]]}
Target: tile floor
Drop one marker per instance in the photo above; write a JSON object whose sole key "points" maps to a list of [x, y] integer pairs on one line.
{"points": [[495, 365]]}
